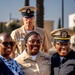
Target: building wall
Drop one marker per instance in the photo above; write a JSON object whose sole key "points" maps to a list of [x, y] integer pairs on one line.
{"points": [[71, 26], [71, 21], [49, 26]]}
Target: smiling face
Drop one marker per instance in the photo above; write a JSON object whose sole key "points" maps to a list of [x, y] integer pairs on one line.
{"points": [[63, 48], [28, 23], [33, 44], [6, 45]]}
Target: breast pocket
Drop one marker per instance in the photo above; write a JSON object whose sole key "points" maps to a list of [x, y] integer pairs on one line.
{"points": [[45, 67], [27, 65]]}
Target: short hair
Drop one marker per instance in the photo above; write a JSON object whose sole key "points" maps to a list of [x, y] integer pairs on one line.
{"points": [[30, 34], [7, 35], [4, 35]]}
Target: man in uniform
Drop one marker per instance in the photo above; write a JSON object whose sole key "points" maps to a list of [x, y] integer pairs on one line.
{"points": [[19, 34], [63, 61]]}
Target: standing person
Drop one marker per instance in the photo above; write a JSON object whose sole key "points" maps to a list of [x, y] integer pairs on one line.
{"points": [[28, 20], [8, 66], [34, 61], [63, 61]]}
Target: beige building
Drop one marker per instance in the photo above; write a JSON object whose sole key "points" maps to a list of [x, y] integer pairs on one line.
{"points": [[49, 26], [71, 21], [71, 26]]}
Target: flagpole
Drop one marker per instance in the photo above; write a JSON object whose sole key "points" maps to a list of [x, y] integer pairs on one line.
{"points": [[62, 13]]}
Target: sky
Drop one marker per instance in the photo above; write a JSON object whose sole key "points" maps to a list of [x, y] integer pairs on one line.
{"points": [[52, 10]]}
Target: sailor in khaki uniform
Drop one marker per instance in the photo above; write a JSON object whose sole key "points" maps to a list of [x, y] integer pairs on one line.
{"points": [[33, 61], [19, 34]]}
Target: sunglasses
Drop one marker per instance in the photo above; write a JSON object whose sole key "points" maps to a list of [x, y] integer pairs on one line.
{"points": [[8, 43]]}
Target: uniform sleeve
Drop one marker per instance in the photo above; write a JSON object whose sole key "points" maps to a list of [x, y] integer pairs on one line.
{"points": [[13, 35], [47, 43], [15, 46]]}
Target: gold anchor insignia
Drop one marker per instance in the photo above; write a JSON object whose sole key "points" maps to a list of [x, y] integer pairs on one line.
{"points": [[64, 35], [28, 11]]}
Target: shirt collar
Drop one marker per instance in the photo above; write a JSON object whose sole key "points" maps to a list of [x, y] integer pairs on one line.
{"points": [[24, 31], [4, 59], [27, 56]]}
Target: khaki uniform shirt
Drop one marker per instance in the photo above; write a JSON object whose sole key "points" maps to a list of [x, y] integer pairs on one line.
{"points": [[19, 34], [40, 66]]}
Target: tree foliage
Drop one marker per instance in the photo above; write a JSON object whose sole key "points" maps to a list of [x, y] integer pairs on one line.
{"points": [[12, 26], [59, 23], [40, 13], [1, 27], [26, 3]]}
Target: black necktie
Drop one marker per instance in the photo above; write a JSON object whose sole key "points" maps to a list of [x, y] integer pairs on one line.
{"points": [[64, 59]]}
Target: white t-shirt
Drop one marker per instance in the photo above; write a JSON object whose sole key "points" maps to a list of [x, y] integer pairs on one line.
{"points": [[61, 58], [34, 57]]}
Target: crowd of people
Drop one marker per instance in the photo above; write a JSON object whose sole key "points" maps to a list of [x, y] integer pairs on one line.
{"points": [[26, 50]]}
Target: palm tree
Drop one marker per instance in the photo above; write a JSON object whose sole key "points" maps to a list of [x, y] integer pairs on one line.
{"points": [[59, 23], [1, 27], [26, 3], [40, 13], [62, 13]]}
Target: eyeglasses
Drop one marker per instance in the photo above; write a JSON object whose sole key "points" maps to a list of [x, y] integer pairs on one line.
{"points": [[60, 44], [8, 43], [33, 41]]}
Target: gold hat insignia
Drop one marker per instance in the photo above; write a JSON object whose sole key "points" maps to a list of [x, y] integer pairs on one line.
{"points": [[28, 11], [64, 34]]}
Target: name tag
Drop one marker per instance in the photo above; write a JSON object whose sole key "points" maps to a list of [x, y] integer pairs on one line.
{"points": [[20, 39]]}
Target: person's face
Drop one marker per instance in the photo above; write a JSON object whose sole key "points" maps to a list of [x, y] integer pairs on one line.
{"points": [[33, 44], [62, 48], [28, 21], [6, 46]]}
